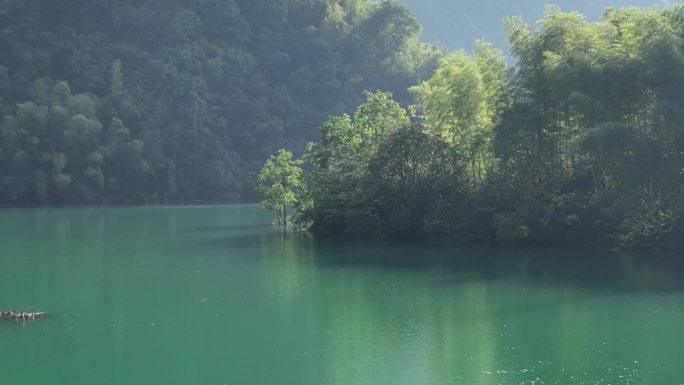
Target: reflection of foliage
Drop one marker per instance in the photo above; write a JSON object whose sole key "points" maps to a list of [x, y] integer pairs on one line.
{"points": [[287, 260], [415, 315]]}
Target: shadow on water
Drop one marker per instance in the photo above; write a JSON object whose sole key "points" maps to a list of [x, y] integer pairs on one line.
{"points": [[230, 228], [250, 236], [550, 266], [453, 264], [235, 241]]}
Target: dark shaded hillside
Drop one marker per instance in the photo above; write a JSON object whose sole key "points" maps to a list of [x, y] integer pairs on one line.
{"points": [[458, 23], [151, 100]]}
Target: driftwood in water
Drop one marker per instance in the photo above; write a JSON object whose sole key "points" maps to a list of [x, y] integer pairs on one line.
{"points": [[22, 315]]}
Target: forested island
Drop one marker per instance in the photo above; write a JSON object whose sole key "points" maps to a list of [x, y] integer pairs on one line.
{"points": [[581, 142]]}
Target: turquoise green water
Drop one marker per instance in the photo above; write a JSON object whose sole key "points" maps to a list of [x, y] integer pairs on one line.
{"points": [[216, 295]]}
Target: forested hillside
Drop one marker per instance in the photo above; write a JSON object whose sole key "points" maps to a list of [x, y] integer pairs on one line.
{"points": [[457, 24], [181, 100], [582, 141]]}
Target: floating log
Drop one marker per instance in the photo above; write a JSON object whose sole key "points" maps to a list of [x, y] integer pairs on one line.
{"points": [[22, 315]]}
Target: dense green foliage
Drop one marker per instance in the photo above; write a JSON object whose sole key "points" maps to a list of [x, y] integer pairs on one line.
{"points": [[151, 100], [457, 24], [582, 141], [280, 184]]}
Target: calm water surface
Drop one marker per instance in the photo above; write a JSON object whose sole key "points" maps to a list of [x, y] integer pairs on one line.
{"points": [[216, 295]]}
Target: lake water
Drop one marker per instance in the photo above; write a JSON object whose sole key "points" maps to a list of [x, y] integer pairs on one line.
{"points": [[217, 295]]}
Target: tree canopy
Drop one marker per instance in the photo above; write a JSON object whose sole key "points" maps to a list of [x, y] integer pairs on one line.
{"points": [[280, 184], [457, 24], [581, 141]]}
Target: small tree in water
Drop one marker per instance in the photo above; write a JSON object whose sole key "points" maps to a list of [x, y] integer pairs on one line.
{"points": [[279, 184]]}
